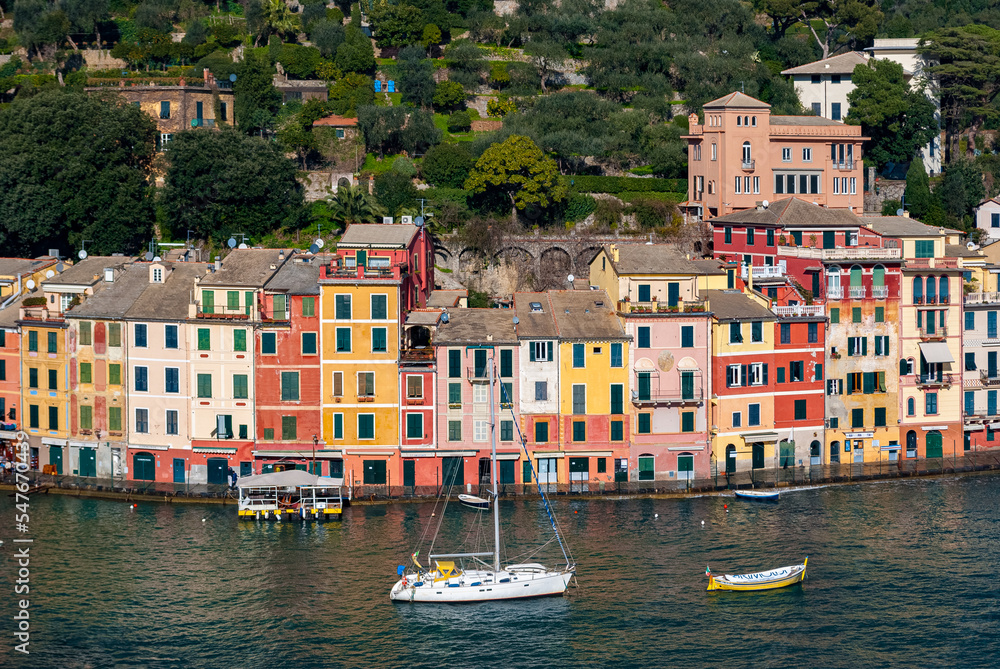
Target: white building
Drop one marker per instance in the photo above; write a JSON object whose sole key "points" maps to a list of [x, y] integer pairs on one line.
{"points": [[823, 86], [988, 219]]}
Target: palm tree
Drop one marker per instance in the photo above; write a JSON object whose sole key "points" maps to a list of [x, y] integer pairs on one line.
{"points": [[353, 205], [276, 19]]}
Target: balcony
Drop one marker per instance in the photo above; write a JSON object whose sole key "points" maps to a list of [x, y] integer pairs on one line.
{"points": [[271, 316], [846, 165], [856, 292], [932, 263], [425, 355], [835, 293], [748, 164], [653, 391], [983, 298], [222, 312], [336, 271], [938, 333], [849, 253], [934, 380], [764, 272], [799, 310], [880, 292], [656, 307], [477, 374]]}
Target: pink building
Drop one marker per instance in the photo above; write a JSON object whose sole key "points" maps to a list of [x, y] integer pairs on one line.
{"points": [[741, 155]]}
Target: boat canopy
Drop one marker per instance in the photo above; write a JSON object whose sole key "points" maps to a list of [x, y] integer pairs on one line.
{"points": [[292, 478]]}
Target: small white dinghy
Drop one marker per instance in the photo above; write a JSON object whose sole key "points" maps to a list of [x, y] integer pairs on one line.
{"points": [[474, 502], [758, 495]]}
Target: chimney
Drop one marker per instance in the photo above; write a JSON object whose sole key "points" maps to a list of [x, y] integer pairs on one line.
{"points": [[207, 74], [218, 263], [906, 214], [692, 119], [614, 252], [281, 254]]}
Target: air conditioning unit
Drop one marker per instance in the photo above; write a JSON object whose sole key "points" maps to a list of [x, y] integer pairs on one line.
{"points": [[406, 220]]}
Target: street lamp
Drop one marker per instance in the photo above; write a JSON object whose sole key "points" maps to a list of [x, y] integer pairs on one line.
{"points": [[315, 441]]}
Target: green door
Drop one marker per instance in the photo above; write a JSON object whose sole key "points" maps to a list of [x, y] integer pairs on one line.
{"points": [[757, 451], [217, 470], [685, 466], [178, 470], [934, 448], [362, 257], [143, 467], [506, 471], [787, 453], [452, 472], [374, 472], [88, 461], [673, 294], [267, 468], [730, 459], [687, 385], [55, 458], [526, 472], [829, 240], [579, 469], [409, 473]]}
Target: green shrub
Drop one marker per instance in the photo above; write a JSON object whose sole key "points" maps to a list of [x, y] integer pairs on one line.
{"points": [[34, 302], [579, 207], [616, 185], [633, 196], [459, 122], [403, 165]]}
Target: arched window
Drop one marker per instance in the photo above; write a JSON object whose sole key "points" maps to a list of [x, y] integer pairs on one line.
{"points": [[911, 442], [747, 156], [834, 451], [931, 290], [753, 121], [911, 407], [746, 120], [878, 275], [833, 282], [739, 121], [943, 290], [856, 273], [730, 459], [918, 290], [904, 367]]}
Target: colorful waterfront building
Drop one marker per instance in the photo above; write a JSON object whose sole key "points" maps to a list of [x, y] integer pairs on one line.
{"points": [[657, 293], [744, 381], [468, 342], [417, 397], [739, 155], [101, 381], [378, 273], [10, 378], [222, 343], [979, 364], [45, 356], [158, 348], [288, 398], [799, 397]]}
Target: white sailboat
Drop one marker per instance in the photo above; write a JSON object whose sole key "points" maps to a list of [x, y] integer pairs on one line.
{"points": [[448, 580]]}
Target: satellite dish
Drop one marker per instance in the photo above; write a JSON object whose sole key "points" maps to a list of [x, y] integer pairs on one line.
{"points": [[232, 77], [314, 249], [82, 255], [49, 274], [516, 320], [157, 259], [148, 256], [242, 246], [971, 246], [30, 283], [899, 212], [765, 203], [418, 221], [570, 278], [232, 242], [319, 243]]}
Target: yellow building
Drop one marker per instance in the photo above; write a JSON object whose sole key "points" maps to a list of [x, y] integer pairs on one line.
{"points": [[15, 273]]}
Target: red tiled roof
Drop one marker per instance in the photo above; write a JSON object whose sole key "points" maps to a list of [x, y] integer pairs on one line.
{"points": [[336, 121]]}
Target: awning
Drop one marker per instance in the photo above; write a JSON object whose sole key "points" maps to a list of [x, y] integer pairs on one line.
{"points": [[151, 447], [8, 434], [51, 441], [760, 436], [935, 351], [202, 449]]}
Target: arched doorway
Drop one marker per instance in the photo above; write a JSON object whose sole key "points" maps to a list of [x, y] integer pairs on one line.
{"points": [[934, 447], [217, 470], [757, 455], [685, 466], [911, 444], [730, 459], [143, 467], [815, 453], [834, 452]]}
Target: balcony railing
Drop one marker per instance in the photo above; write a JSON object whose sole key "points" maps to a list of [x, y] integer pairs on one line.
{"points": [[748, 164], [223, 311], [985, 378], [835, 293], [856, 292], [799, 310], [336, 271], [764, 272], [932, 263], [849, 253], [934, 379], [477, 374], [939, 332], [982, 298], [880, 292], [846, 165], [425, 354], [656, 307]]}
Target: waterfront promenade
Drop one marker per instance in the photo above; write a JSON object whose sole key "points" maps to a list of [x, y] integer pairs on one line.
{"points": [[152, 491]]}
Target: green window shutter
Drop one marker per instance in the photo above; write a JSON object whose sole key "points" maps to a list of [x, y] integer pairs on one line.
{"points": [[454, 393], [454, 364], [379, 344], [309, 343], [204, 339], [617, 430], [781, 374], [289, 428], [835, 315], [800, 409], [856, 314], [279, 307], [53, 342], [114, 418], [241, 390], [579, 430], [268, 343], [342, 307], [115, 375], [380, 309], [541, 432], [32, 340], [687, 421], [208, 301], [86, 417], [879, 416], [687, 336], [338, 426], [233, 300], [857, 417], [579, 355], [204, 385], [617, 398], [269, 433], [414, 425], [454, 430], [289, 386], [85, 372], [507, 430], [343, 340], [879, 314], [308, 307], [506, 393], [239, 340], [506, 363], [85, 338], [644, 423]]}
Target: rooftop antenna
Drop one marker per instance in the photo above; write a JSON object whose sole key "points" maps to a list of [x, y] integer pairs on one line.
{"points": [[83, 248]]}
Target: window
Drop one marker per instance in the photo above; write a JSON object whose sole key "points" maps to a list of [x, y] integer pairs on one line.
{"points": [[379, 344], [506, 363], [733, 376], [380, 308], [835, 79], [85, 337], [795, 372], [172, 427], [366, 426], [924, 248], [687, 421], [750, 236], [617, 398], [454, 430], [289, 386], [737, 419], [114, 418], [480, 430], [53, 347], [579, 399], [540, 351], [835, 108], [715, 151], [970, 362], [506, 430], [756, 185], [480, 394], [170, 336], [342, 307], [786, 333], [817, 107], [739, 185], [415, 425], [770, 237], [735, 333], [879, 314], [818, 371], [171, 380], [880, 417], [86, 375], [728, 235], [343, 340], [881, 344], [812, 333], [857, 418], [338, 384], [454, 364], [800, 409], [835, 315], [141, 379], [204, 385], [644, 292], [86, 417], [366, 384], [114, 375], [279, 305], [644, 423], [807, 155], [414, 386], [931, 404], [757, 373], [309, 343], [857, 346], [541, 432], [753, 415], [642, 337], [204, 339], [786, 155], [616, 356], [32, 340], [142, 421], [239, 340], [687, 336], [579, 350], [289, 428], [308, 307], [33, 416], [541, 390], [579, 430]]}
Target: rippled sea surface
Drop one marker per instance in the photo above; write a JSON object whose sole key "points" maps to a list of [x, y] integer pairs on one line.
{"points": [[901, 574]]}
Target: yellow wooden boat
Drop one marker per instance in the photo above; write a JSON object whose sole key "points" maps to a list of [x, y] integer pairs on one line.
{"points": [[763, 580]]}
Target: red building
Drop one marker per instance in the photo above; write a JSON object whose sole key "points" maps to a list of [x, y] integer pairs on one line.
{"points": [[289, 402], [417, 373], [10, 379], [799, 399]]}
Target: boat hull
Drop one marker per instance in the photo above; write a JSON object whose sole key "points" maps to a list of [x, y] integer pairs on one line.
{"points": [[770, 580], [757, 496], [482, 586], [474, 502]]}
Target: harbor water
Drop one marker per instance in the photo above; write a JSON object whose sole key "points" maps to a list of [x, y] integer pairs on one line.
{"points": [[901, 574]]}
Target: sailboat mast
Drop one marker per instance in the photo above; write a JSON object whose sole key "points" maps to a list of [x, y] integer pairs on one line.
{"points": [[493, 460]]}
